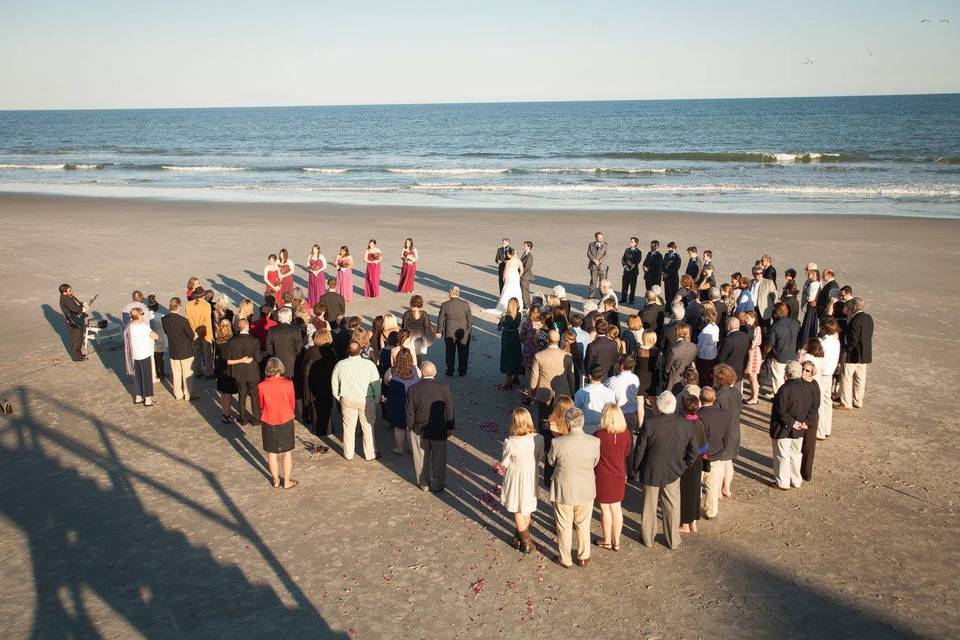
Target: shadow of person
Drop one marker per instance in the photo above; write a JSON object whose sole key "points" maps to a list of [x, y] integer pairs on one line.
{"points": [[95, 545], [55, 318]]}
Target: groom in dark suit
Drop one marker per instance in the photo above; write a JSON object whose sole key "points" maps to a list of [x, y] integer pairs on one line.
{"points": [[501, 260], [526, 258], [454, 325]]}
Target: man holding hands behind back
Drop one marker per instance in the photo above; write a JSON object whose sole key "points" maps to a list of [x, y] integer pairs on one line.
{"points": [[597, 262]]}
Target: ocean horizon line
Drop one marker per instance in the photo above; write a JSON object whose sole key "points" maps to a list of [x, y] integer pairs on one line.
{"points": [[334, 105]]}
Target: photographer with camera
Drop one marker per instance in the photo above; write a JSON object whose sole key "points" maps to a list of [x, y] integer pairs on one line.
{"points": [[75, 317]]}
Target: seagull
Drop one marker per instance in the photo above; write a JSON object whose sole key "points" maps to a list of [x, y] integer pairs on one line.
{"points": [[807, 61], [925, 20], [869, 53], [943, 20]]}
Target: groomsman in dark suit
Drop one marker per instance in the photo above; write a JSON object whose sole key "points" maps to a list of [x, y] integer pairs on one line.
{"points": [[829, 291], [653, 266], [285, 341], [631, 269], [454, 325], [857, 354], [242, 354], [430, 420], [501, 260], [693, 264], [597, 262], [671, 273], [526, 258], [334, 303]]}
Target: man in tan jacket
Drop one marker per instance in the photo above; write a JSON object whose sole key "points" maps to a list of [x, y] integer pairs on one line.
{"points": [[551, 375], [199, 315], [574, 487]]}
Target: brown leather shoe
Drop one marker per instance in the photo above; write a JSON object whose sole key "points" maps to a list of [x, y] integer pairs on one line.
{"points": [[526, 544]]}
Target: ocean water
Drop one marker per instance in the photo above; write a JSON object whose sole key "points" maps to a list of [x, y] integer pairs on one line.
{"points": [[895, 155]]}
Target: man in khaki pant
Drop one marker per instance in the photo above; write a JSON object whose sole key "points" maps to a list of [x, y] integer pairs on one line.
{"points": [[573, 487], [717, 423], [663, 453], [356, 385]]}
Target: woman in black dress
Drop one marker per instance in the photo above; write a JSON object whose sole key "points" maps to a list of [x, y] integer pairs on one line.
{"points": [[226, 384], [318, 364], [511, 353], [647, 356], [691, 480], [417, 322]]}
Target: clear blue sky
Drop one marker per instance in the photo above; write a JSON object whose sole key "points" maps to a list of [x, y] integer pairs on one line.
{"points": [[169, 53]]}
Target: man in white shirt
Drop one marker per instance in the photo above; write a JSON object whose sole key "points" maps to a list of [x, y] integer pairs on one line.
{"points": [[626, 389], [592, 398]]}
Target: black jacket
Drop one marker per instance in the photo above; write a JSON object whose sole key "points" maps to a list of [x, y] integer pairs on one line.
{"points": [[716, 422], [782, 339], [796, 401], [858, 339], [671, 266], [653, 264], [336, 307], [734, 351], [241, 346], [693, 268], [602, 351], [429, 408], [285, 341], [731, 399], [631, 258], [664, 450], [179, 336]]}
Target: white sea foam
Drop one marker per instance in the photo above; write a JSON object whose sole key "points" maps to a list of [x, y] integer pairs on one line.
{"points": [[878, 191], [200, 169], [791, 158], [35, 167], [323, 170], [449, 171]]}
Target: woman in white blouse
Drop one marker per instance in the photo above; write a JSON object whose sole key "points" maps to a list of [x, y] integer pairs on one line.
{"points": [[808, 305], [708, 344], [830, 341]]}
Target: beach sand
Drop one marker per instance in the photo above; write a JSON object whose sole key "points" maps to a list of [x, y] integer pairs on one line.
{"points": [[121, 521]]}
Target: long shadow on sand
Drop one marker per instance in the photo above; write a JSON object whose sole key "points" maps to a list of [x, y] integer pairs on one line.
{"points": [[89, 539]]}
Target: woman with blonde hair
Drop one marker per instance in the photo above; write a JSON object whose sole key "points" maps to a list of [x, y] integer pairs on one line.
{"points": [[749, 322], [317, 379], [611, 473], [141, 340], [522, 452], [226, 384], [647, 359], [511, 352], [192, 284], [244, 312]]}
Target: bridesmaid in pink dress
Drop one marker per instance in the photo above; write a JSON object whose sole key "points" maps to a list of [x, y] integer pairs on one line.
{"points": [[408, 269], [373, 258], [286, 274], [345, 274], [271, 279], [317, 286]]}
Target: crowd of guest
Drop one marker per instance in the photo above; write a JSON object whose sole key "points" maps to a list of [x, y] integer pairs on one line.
{"points": [[654, 392]]}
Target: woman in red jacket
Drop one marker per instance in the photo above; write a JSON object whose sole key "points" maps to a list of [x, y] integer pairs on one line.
{"points": [[277, 402]]}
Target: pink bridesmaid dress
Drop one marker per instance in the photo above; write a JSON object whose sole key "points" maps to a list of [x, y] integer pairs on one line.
{"points": [[371, 282], [345, 281], [408, 271]]}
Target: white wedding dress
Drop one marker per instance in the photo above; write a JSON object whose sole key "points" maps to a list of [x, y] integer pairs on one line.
{"points": [[511, 287]]}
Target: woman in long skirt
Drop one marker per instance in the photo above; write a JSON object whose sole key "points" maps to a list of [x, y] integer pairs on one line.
{"points": [[371, 281], [316, 282], [408, 268], [691, 480], [345, 274]]}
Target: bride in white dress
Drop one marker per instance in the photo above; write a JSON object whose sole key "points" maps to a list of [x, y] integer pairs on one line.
{"points": [[511, 284]]}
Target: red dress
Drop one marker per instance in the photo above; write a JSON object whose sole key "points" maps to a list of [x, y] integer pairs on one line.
{"points": [[273, 277], [371, 282], [286, 281], [408, 271], [611, 471]]}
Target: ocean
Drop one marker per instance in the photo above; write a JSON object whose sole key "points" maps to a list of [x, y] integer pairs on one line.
{"points": [[893, 155]]}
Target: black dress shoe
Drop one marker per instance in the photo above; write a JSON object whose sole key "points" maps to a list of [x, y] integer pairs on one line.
{"points": [[448, 373], [463, 373]]}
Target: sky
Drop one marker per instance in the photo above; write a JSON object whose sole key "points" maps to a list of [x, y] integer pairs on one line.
{"points": [[60, 54]]}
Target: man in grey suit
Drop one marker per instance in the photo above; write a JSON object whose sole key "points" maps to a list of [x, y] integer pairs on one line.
{"points": [[573, 488], [665, 449], [454, 325], [597, 262], [526, 258]]}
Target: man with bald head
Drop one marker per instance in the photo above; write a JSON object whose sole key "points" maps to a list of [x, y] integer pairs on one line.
{"points": [[356, 386], [429, 408]]}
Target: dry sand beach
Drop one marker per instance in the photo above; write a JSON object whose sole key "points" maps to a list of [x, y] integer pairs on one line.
{"points": [[124, 522]]}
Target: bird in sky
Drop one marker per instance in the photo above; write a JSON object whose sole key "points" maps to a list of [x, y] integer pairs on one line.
{"points": [[925, 20], [807, 61], [943, 20], [869, 53]]}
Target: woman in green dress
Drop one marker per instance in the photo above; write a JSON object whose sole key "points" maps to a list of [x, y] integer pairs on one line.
{"points": [[511, 355]]}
